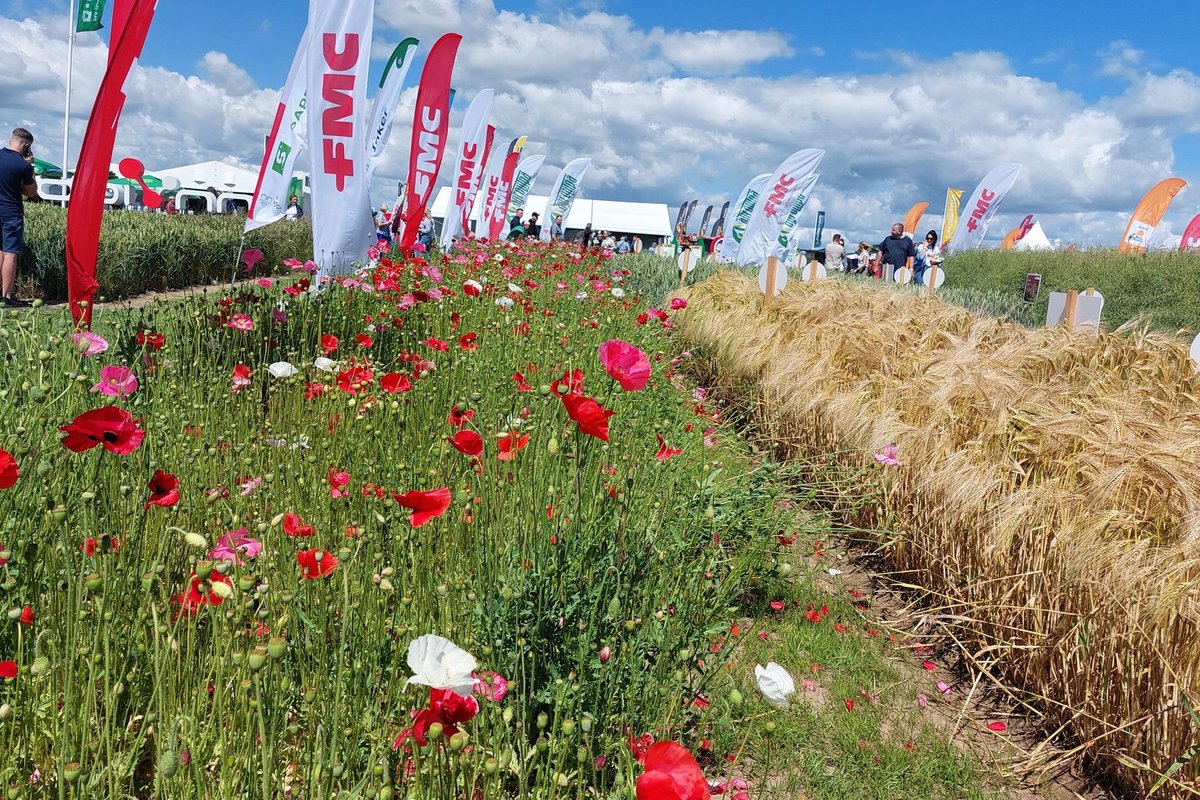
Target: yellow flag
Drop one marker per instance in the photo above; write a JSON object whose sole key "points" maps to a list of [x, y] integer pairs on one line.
{"points": [[950, 220]]}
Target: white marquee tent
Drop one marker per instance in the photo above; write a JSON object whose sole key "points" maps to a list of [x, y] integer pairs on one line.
{"points": [[1035, 239], [647, 220]]}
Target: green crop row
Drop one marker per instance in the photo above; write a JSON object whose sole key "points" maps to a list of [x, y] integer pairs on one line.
{"points": [[141, 252]]}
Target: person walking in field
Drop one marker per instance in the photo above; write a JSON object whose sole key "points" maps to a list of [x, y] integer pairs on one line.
{"points": [[16, 183], [896, 250]]}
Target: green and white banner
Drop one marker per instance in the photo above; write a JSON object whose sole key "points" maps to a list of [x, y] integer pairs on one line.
{"points": [[563, 195], [383, 110], [89, 15], [527, 172], [788, 242], [743, 209], [762, 231]]}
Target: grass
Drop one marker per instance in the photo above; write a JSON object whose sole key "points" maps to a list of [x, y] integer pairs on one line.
{"points": [[143, 252], [1044, 501], [148, 665]]}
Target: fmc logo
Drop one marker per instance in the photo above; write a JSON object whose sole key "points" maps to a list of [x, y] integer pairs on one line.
{"points": [[429, 144], [981, 209], [338, 119], [771, 207]]}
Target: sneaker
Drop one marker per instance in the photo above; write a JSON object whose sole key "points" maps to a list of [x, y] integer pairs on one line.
{"points": [[12, 302]]}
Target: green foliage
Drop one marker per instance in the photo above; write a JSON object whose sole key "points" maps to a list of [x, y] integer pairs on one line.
{"points": [[143, 252], [1160, 287]]}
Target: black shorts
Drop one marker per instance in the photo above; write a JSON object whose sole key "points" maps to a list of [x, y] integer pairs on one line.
{"points": [[12, 235]]}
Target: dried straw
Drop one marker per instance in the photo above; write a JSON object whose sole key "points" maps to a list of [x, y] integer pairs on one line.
{"points": [[1050, 490]]}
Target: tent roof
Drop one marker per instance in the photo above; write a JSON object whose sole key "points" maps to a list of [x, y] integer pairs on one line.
{"points": [[646, 219], [1035, 239], [219, 175]]}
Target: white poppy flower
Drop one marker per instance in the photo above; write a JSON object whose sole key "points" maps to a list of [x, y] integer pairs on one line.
{"points": [[474, 284], [512, 287], [504, 302], [618, 292], [325, 364], [775, 683], [282, 369], [439, 663], [581, 296]]}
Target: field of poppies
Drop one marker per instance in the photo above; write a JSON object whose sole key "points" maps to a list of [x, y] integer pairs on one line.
{"points": [[452, 530]]}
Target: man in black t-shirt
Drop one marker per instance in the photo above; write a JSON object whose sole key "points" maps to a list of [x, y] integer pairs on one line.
{"points": [[16, 182], [897, 250]]}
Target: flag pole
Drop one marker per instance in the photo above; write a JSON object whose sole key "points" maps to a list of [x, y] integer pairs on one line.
{"points": [[67, 105]]}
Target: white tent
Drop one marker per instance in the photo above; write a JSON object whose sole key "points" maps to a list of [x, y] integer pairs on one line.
{"points": [[1035, 239], [644, 219], [218, 175]]}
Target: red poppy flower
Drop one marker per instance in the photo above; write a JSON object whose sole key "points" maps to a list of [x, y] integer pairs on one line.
{"points": [[150, 339], [571, 382], [312, 390], [522, 386], [355, 380], [164, 490], [678, 303], [338, 481], [293, 526], [26, 616], [469, 443], [113, 427], [329, 343], [436, 344], [625, 364], [200, 593], [395, 382], [425, 505], [315, 563], [9, 471], [8, 669], [671, 774], [364, 340], [665, 452], [510, 444], [459, 418], [446, 707], [241, 377], [467, 341], [591, 417]]}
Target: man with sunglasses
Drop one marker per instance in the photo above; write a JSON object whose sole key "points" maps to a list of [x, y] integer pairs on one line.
{"points": [[16, 182]]}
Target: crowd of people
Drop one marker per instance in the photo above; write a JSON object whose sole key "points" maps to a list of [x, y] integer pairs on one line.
{"points": [[894, 253]]}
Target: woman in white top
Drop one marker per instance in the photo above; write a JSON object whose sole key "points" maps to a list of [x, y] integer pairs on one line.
{"points": [[928, 254]]}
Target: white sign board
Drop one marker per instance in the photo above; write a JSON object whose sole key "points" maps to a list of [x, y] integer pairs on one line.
{"points": [[808, 270], [1087, 310], [781, 278]]}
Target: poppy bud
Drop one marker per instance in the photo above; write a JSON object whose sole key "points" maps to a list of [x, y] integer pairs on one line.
{"points": [[40, 665], [542, 745], [605, 654], [185, 757], [769, 726], [257, 659], [204, 570], [552, 446], [168, 764], [195, 540], [93, 582], [585, 724], [458, 741], [385, 585], [435, 731], [385, 793], [277, 647], [542, 720], [490, 766], [735, 697], [568, 727], [6, 712]]}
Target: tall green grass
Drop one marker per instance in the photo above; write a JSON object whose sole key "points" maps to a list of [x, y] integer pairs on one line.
{"points": [[142, 252]]}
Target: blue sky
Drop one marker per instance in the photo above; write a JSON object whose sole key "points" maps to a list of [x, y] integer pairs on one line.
{"points": [[676, 100]]}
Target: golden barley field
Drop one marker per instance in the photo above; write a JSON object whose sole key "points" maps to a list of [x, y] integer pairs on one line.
{"points": [[1048, 498]]}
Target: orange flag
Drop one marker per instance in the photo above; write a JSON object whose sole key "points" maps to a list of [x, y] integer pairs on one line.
{"points": [[913, 218], [1148, 214], [1010, 240]]}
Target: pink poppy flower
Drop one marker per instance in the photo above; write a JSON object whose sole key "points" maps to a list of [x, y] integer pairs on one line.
{"points": [[88, 343], [116, 381], [235, 544], [888, 456], [241, 377], [241, 322], [625, 364]]}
